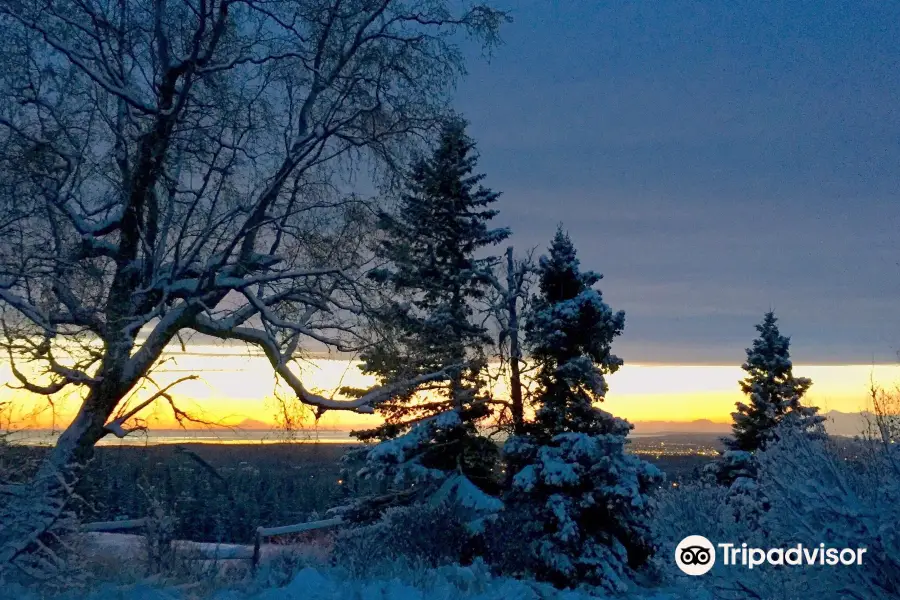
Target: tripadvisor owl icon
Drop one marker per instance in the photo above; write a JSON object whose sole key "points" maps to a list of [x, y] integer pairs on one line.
{"points": [[695, 555]]}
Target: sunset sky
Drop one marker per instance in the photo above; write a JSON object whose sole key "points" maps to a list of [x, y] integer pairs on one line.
{"points": [[235, 386], [713, 161]]}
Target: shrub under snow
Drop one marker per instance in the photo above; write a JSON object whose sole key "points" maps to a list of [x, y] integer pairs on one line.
{"points": [[817, 492], [579, 510]]}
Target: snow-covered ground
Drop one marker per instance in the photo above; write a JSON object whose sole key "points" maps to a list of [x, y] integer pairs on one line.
{"points": [[446, 583], [322, 582]]}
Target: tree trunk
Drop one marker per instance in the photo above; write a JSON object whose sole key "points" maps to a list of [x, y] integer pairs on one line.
{"points": [[75, 446], [515, 351], [515, 359], [33, 515], [457, 393]]}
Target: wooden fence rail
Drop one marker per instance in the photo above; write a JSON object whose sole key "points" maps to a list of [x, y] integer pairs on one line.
{"points": [[211, 551], [264, 532], [115, 525]]}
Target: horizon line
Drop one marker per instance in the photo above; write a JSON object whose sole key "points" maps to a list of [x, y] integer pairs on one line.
{"points": [[273, 427]]}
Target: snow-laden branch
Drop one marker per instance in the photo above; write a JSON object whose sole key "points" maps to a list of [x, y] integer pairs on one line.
{"points": [[142, 188], [364, 404], [227, 280], [153, 345], [64, 376], [270, 318], [31, 312]]}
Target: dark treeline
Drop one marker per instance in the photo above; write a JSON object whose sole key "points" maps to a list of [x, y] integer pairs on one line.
{"points": [[212, 492], [232, 488]]}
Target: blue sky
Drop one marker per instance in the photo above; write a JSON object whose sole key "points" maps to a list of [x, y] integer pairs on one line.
{"points": [[713, 160]]}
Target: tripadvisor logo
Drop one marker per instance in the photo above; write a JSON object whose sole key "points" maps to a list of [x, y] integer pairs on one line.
{"points": [[696, 555]]}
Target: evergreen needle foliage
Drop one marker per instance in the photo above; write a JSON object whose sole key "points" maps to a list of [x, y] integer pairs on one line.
{"points": [[578, 501], [773, 391], [431, 278]]}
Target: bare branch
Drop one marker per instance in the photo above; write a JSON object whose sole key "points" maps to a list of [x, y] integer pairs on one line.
{"points": [[116, 425], [363, 404]]}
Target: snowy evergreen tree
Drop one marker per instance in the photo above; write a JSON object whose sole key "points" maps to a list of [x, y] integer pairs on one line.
{"points": [[578, 501], [774, 393], [432, 276], [775, 403]]}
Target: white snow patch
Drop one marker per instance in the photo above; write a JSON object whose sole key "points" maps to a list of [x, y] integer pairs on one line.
{"points": [[446, 583]]}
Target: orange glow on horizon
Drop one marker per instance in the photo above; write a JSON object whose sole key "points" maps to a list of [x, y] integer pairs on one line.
{"points": [[237, 388]]}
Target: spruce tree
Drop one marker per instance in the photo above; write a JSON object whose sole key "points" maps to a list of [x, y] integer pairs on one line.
{"points": [[432, 276], [578, 503], [774, 393]]}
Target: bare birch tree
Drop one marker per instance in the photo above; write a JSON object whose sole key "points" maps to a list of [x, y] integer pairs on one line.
{"points": [[507, 304], [171, 167]]}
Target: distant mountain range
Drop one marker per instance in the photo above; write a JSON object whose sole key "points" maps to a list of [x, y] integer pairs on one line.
{"points": [[850, 424], [836, 422], [645, 427], [698, 426], [254, 425]]}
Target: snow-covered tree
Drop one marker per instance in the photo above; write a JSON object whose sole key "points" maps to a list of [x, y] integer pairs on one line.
{"points": [[844, 494], [433, 275], [580, 503], [178, 168], [775, 403], [774, 393]]}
